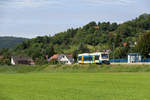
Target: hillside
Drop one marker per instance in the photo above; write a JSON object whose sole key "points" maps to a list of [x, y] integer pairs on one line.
{"points": [[10, 42], [119, 38]]}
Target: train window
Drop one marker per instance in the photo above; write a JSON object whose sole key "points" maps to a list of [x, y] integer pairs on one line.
{"points": [[96, 57], [90, 58], [86, 58], [104, 56], [79, 58]]}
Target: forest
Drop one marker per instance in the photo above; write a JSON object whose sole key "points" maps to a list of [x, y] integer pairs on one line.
{"points": [[119, 39]]}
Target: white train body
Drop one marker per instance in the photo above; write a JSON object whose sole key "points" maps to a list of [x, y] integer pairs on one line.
{"points": [[94, 58]]}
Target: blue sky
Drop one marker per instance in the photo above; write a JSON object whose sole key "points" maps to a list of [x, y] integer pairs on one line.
{"points": [[31, 18]]}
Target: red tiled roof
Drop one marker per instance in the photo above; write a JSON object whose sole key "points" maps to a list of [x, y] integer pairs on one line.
{"points": [[55, 56], [69, 54]]}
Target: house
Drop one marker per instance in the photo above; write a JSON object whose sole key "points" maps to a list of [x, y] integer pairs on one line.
{"points": [[17, 60], [62, 58], [1, 57], [134, 57]]}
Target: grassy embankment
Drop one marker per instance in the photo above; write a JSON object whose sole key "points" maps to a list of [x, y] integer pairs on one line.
{"points": [[75, 68], [75, 86]]}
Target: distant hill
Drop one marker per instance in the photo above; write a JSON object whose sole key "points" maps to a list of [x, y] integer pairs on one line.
{"points": [[10, 42]]}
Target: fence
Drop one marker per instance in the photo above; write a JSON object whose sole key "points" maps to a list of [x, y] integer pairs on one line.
{"points": [[145, 60], [119, 60], [126, 60]]}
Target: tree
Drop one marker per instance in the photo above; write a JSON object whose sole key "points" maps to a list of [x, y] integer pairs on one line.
{"points": [[75, 55], [41, 60], [5, 52], [82, 48], [143, 45], [104, 26], [113, 27], [120, 52], [90, 25], [124, 30], [48, 50]]}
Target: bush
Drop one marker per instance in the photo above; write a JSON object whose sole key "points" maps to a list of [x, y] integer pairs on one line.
{"points": [[41, 61], [53, 62]]}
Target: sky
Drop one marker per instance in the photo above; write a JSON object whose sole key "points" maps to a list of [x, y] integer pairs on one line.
{"points": [[31, 18]]}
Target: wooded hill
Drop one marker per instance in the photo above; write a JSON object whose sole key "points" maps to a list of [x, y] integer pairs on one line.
{"points": [[119, 38], [10, 42]]}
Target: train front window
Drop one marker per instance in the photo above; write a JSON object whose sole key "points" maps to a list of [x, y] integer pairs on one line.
{"points": [[96, 57], [104, 56]]}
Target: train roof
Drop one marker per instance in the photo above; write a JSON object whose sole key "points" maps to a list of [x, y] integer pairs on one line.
{"points": [[88, 54]]}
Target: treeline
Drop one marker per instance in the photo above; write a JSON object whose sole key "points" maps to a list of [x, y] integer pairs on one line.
{"points": [[120, 39]]}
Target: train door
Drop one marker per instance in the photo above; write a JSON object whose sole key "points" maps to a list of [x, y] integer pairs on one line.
{"points": [[93, 59], [82, 59]]}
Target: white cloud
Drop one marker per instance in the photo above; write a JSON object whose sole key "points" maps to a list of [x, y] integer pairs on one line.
{"points": [[38, 3], [28, 3], [97, 2]]}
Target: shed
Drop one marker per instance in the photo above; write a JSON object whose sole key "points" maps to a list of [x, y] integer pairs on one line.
{"points": [[134, 57]]}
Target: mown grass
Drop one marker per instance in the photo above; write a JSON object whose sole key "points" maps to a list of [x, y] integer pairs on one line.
{"points": [[75, 86], [76, 82]]}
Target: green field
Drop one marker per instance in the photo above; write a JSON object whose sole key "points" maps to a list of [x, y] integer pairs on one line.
{"points": [[75, 86]]}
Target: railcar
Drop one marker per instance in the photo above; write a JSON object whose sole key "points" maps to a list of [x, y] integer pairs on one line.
{"points": [[94, 58]]}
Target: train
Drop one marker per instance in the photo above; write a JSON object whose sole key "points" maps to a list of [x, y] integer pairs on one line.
{"points": [[94, 58]]}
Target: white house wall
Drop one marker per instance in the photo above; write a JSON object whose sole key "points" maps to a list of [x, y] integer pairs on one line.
{"points": [[65, 59], [12, 61]]}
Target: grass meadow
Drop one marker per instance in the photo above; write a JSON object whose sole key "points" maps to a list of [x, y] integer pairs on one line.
{"points": [[74, 83]]}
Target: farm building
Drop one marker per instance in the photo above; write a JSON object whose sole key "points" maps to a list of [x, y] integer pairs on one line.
{"points": [[17, 60], [134, 57], [62, 58]]}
